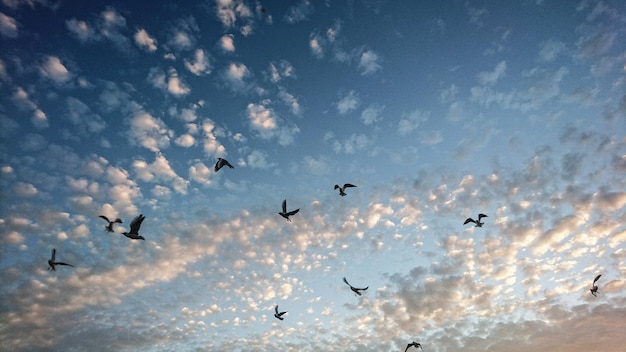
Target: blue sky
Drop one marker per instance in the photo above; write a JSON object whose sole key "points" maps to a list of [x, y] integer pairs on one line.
{"points": [[437, 112]]}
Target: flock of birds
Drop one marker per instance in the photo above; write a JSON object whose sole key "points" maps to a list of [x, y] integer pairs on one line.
{"points": [[135, 225]]}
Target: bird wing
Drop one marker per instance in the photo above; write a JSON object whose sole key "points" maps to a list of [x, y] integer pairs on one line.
{"points": [[276, 309], [136, 224], [118, 220], [407, 347], [54, 253], [58, 263], [104, 217], [281, 314], [293, 212], [346, 281], [285, 206], [469, 220], [227, 163], [596, 279], [363, 289], [348, 185], [480, 216]]}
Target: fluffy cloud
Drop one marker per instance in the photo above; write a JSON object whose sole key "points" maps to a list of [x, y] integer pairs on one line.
{"points": [[8, 26], [299, 12], [268, 125], [160, 171], [148, 131], [227, 43], [169, 82], [369, 62], [348, 102], [235, 75], [53, 69], [145, 41], [200, 64], [22, 100], [409, 122]]}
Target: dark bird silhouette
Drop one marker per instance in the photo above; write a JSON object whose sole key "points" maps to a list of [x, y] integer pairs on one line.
{"points": [[477, 222], [278, 315], [52, 262], [286, 214], [354, 289], [134, 228], [342, 190], [109, 227], [413, 344], [221, 163], [594, 288]]}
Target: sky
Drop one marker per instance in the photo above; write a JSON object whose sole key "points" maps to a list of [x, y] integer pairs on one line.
{"points": [[436, 111]]}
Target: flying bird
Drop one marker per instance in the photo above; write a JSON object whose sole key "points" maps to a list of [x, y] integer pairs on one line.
{"points": [[221, 163], [354, 289], [52, 262], [342, 190], [278, 315], [134, 228], [109, 227], [477, 222], [286, 214], [413, 344], [594, 288]]}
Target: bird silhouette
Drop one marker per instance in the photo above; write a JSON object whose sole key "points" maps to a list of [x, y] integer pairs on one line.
{"points": [[52, 262], [134, 228], [477, 222], [354, 289], [221, 163], [286, 214], [109, 227], [278, 315], [594, 288], [413, 344], [342, 190]]}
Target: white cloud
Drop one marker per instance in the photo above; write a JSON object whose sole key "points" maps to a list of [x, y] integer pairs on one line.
{"points": [[160, 171], [8, 26], [212, 147], [53, 69], [281, 69], [291, 101], [409, 122], [185, 140], [145, 41], [265, 121], [316, 47], [369, 62], [348, 103], [201, 173], [81, 29], [170, 83], [372, 114], [476, 16], [232, 12], [299, 12], [352, 144], [550, 49], [235, 76], [85, 120], [200, 64], [227, 43], [258, 160], [148, 131], [490, 78], [22, 100]]}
